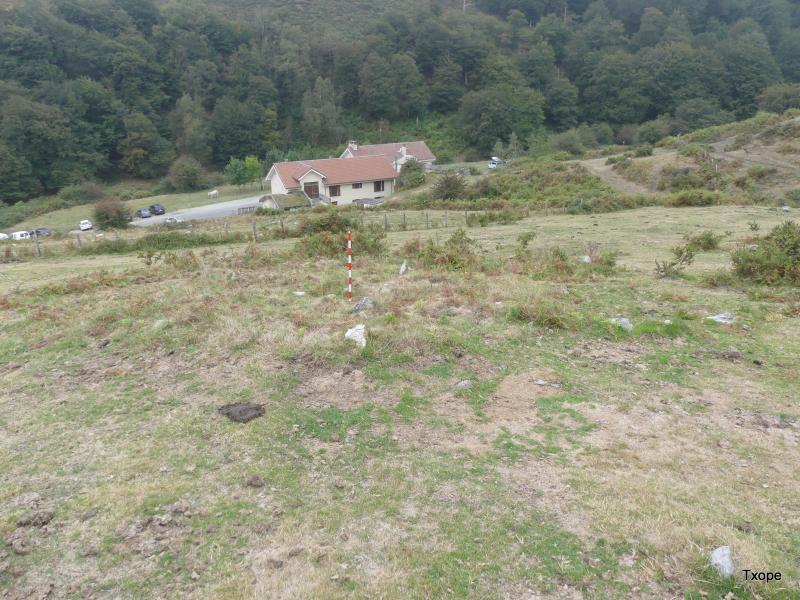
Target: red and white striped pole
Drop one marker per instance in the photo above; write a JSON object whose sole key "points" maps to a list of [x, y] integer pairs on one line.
{"points": [[349, 239]]}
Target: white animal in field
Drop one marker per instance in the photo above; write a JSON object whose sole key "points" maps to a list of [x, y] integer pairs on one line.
{"points": [[213, 194]]}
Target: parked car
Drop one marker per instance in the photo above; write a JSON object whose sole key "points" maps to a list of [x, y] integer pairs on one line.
{"points": [[143, 213], [40, 232], [157, 209], [173, 220], [3, 236], [85, 225], [21, 235], [496, 162]]}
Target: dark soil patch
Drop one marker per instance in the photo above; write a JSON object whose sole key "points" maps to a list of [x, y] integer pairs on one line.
{"points": [[242, 412]]}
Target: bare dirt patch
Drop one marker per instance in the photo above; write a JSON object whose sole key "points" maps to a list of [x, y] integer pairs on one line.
{"points": [[341, 389], [615, 353]]}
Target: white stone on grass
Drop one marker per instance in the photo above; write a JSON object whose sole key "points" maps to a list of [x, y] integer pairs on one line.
{"points": [[722, 560], [358, 334]]}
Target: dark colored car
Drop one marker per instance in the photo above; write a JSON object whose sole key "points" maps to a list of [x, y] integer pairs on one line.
{"points": [[157, 209], [143, 213], [40, 232]]}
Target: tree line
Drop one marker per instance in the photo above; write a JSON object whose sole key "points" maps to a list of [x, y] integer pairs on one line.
{"points": [[93, 89]]}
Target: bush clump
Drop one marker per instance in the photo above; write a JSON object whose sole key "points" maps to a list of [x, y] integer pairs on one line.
{"points": [[411, 175], [693, 198], [705, 241], [542, 313], [458, 253], [111, 213], [449, 187], [370, 241], [502, 217], [776, 259]]}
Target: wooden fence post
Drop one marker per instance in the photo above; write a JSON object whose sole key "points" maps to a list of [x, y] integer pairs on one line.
{"points": [[427, 222], [385, 221], [255, 239], [226, 227], [36, 242], [404, 220], [283, 231], [446, 224]]}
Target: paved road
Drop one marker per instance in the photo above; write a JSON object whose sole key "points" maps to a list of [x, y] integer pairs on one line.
{"points": [[202, 213]]}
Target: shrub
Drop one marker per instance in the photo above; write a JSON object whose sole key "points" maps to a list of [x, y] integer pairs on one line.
{"points": [[718, 278], [628, 135], [411, 175], [694, 198], [457, 253], [705, 241], [111, 213], [370, 242], [644, 150], [568, 141], [776, 258], [759, 172], [449, 187], [684, 256], [542, 313], [793, 196], [185, 175], [780, 98], [332, 221], [503, 217]]}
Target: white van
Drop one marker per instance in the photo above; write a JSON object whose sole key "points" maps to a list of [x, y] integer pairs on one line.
{"points": [[21, 235]]}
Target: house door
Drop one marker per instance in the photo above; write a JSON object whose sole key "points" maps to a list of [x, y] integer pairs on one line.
{"points": [[311, 189]]}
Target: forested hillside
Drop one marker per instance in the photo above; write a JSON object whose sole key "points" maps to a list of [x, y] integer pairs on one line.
{"points": [[91, 89]]}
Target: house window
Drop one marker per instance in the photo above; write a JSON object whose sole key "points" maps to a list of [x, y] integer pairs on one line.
{"points": [[379, 186], [356, 186], [335, 190]]}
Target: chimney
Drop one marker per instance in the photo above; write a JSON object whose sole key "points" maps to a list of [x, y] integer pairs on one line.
{"points": [[353, 144], [403, 150]]}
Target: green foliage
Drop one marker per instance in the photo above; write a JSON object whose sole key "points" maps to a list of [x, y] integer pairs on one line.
{"points": [[368, 242], [185, 175], [501, 217], [776, 259], [111, 213], [704, 241], [780, 98], [449, 186], [91, 93], [694, 197], [458, 253], [672, 269], [412, 175], [546, 314], [236, 172], [332, 221]]}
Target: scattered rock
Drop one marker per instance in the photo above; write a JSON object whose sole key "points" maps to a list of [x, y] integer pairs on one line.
{"points": [[242, 412], [103, 343], [195, 576], [20, 546], [403, 268], [623, 322], [299, 294], [254, 481], [544, 383], [358, 334], [785, 208], [464, 385], [585, 259], [294, 552], [88, 515], [745, 527], [275, 563], [88, 552], [364, 304], [752, 247], [722, 560], [724, 318], [39, 518], [335, 437]]}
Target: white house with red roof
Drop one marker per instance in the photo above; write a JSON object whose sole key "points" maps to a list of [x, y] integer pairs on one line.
{"points": [[334, 180], [398, 153]]}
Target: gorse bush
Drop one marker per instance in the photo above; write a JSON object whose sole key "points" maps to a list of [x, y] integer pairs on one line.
{"points": [[411, 175], [502, 217], [776, 259], [111, 213], [370, 241], [331, 221], [705, 241], [449, 187], [671, 269], [458, 253]]}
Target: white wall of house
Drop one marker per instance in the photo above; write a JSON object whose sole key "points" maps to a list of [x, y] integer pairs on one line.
{"points": [[276, 184], [348, 194]]}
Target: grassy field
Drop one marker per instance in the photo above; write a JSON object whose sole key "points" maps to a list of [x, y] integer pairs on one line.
{"points": [[579, 461], [67, 219]]}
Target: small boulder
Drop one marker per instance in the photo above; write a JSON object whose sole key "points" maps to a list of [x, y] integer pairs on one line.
{"points": [[40, 518], [585, 259], [403, 268], [623, 322], [724, 318], [357, 334], [722, 560], [254, 481], [464, 385], [364, 304], [299, 294]]}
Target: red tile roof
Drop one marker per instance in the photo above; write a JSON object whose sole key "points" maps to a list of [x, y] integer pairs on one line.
{"points": [[418, 150], [337, 170]]}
